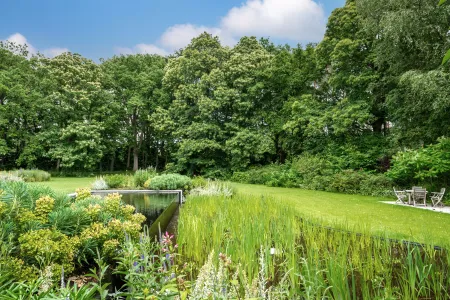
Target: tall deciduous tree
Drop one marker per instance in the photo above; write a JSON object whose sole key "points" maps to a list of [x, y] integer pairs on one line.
{"points": [[135, 82]]}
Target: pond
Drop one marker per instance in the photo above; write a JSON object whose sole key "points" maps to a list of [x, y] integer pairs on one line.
{"points": [[152, 205]]}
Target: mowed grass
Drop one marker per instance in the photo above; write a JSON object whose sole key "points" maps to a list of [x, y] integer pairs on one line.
{"points": [[361, 213], [67, 184]]}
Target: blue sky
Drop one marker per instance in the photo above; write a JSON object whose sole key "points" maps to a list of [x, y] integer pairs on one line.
{"points": [[103, 28]]}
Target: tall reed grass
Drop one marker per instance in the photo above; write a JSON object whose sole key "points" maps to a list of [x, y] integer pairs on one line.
{"points": [[318, 262]]}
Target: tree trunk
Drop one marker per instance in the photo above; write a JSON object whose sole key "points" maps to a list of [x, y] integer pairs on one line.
{"points": [[128, 159], [135, 158], [156, 156], [58, 163], [377, 126], [111, 166]]}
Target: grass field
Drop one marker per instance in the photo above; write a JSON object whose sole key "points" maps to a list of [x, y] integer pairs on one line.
{"points": [[361, 213], [67, 184]]}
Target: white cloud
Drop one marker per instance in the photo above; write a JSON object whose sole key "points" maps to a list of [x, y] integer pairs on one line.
{"points": [[295, 20], [180, 35], [141, 49], [52, 52], [19, 39], [292, 20], [150, 49]]}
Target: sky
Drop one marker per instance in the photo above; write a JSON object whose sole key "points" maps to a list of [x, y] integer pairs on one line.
{"points": [[103, 28]]}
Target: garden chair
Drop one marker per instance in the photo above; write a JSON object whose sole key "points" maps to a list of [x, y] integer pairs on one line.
{"points": [[401, 196], [436, 197], [419, 194]]}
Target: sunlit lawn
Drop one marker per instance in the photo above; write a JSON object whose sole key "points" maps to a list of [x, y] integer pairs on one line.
{"points": [[361, 213], [67, 184]]}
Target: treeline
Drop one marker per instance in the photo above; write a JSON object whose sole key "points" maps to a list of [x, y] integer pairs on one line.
{"points": [[372, 87]]}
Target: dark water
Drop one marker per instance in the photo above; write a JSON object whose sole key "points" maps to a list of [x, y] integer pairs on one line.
{"points": [[150, 205]]}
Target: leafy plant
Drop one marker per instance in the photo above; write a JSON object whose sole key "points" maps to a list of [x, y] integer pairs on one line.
{"points": [[116, 181], [141, 176], [170, 182]]}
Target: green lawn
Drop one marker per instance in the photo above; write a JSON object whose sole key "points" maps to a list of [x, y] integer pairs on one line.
{"points": [[67, 184], [361, 213]]}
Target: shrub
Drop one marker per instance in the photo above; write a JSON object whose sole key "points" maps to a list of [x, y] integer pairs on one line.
{"points": [[33, 175], [271, 175], [82, 194], [10, 177], [170, 182], [213, 188], [100, 184], [116, 181], [52, 246], [199, 181], [430, 164], [308, 167], [141, 176], [376, 185], [347, 181]]}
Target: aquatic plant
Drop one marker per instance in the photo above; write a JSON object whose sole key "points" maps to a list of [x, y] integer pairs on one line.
{"points": [[287, 255]]}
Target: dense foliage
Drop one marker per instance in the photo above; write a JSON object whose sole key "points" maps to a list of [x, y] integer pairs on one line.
{"points": [[43, 231], [373, 87]]}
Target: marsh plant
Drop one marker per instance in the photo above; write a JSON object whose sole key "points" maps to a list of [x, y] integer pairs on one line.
{"points": [[294, 258], [213, 188]]}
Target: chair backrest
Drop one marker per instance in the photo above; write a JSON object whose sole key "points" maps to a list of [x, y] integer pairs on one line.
{"points": [[397, 192], [442, 191], [419, 192], [416, 187]]}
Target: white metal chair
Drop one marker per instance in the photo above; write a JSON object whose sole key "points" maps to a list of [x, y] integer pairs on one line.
{"points": [[419, 195], [436, 198], [401, 196]]}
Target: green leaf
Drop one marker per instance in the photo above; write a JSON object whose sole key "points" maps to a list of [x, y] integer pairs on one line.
{"points": [[446, 57], [441, 2]]}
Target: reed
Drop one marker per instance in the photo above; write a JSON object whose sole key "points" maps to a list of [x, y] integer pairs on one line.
{"points": [[309, 261]]}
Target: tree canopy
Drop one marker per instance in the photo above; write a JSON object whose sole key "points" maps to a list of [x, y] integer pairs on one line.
{"points": [[373, 86]]}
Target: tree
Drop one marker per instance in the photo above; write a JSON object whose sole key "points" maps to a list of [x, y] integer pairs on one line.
{"points": [[135, 81], [410, 39], [75, 101], [20, 101], [199, 133]]}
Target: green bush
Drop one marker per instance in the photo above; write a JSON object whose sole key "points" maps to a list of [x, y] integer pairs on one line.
{"points": [[271, 175], [347, 181], [170, 182], [40, 229], [141, 176], [376, 185], [317, 173], [427, 165], [307, 167], [199, 182], [242, 177], [116, 181]]}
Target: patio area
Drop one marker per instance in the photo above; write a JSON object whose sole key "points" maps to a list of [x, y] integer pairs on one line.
{"points": [[445, 209]]}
